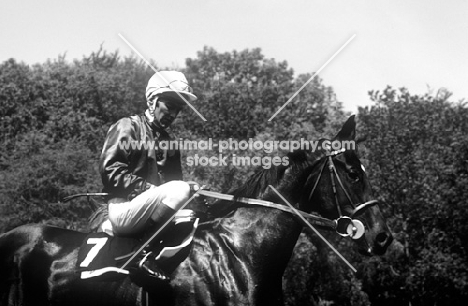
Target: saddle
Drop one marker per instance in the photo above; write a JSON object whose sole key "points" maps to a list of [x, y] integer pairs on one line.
{"points": [[104, 257]]}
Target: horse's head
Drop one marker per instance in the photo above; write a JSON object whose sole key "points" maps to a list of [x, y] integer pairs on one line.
{"points": [[338, 189]]}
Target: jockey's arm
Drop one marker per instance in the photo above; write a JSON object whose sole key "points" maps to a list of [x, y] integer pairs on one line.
{"points": [[114, 164]]}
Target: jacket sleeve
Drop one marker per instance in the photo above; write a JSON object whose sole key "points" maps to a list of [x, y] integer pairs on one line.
{"points": [[116, 156]]}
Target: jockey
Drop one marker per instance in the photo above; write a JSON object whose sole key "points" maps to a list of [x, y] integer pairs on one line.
{"points": [[144, 182]]}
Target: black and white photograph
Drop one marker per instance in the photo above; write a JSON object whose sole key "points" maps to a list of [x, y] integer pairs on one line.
{"points": [[310, 153]]}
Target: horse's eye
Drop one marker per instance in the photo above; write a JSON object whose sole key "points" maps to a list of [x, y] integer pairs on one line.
{"points": [[354, 176]]}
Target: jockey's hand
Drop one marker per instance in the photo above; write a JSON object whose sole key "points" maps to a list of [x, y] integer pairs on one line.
{"points": [[194, 187]]}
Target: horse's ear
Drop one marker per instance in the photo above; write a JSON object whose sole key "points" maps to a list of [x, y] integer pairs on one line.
{"points": [[348, 131]]}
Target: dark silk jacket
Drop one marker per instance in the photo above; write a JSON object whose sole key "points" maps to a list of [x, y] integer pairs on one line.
{"points": [[127, 171]]}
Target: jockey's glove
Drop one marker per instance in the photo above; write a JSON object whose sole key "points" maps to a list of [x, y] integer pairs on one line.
{"points": [[194, 187]]}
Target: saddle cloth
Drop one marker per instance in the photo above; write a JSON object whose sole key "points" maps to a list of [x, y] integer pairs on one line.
{"points": [[102, 255]]}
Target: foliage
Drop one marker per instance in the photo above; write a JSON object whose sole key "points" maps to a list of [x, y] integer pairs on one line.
{"points": [[417, 146], [54, 117], [238, 92], [316, 276]]}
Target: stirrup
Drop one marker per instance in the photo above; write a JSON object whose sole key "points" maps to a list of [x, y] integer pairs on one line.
{"points": [[154, 271]]}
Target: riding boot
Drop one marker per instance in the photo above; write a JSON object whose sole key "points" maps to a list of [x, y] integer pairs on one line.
{"points": [[148, 264]]}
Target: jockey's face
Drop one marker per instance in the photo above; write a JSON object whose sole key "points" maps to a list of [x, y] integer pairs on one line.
{"points": [[166, 111]]}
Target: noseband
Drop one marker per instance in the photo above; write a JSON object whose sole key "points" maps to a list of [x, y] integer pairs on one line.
{"points": [[345, 226]]}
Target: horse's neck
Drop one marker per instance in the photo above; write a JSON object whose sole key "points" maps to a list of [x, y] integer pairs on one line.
{"points": [[265, 236]]}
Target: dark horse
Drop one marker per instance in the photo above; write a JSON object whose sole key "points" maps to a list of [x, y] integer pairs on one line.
{"points": [[236, 259]]}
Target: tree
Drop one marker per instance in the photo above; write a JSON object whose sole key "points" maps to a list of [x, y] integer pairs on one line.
{"points": [[419, 146]]}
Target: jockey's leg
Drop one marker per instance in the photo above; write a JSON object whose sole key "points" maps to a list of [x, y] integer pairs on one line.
{"points": [[149, 210], [173, 195], [153, 207]]}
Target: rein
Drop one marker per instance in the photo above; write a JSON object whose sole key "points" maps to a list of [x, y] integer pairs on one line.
{"points": [[316, 220]]}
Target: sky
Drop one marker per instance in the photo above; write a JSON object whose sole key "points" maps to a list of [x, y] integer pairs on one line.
{"points": [[421, 45]]}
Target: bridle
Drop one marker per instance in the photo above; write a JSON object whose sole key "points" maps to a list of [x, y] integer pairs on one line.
{"points": [[345, 226]]}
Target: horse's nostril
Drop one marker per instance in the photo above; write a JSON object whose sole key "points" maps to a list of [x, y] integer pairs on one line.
{"points": [[381, 239]]}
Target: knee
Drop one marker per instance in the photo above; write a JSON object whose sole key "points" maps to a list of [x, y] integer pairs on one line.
{"points": [[177, 195], [183, 189]]}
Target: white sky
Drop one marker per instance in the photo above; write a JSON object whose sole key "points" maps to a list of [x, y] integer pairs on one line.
{"points": [[413, 44]]}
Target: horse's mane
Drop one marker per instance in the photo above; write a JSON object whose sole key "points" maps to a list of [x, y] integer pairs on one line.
{"points": [[257, 183]]}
